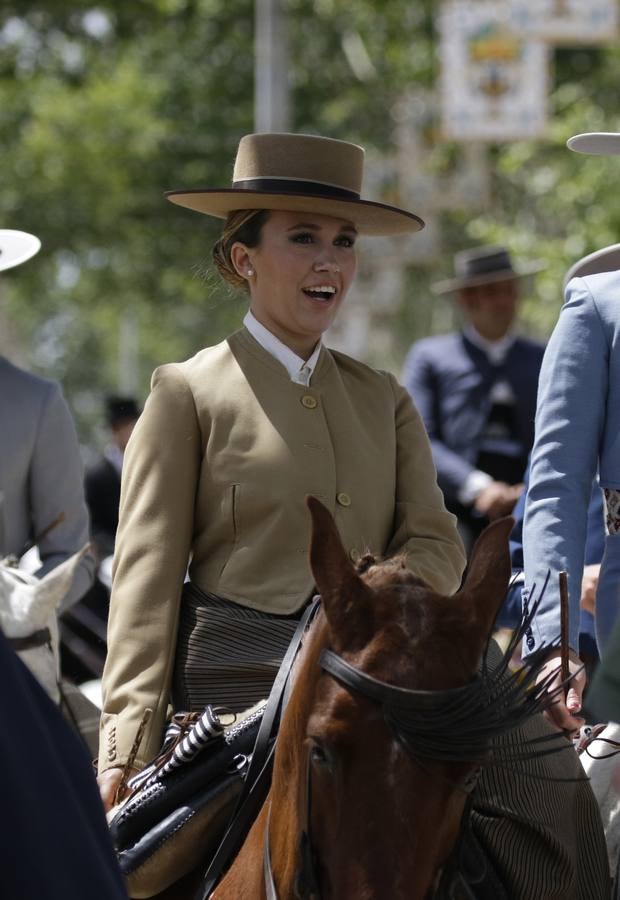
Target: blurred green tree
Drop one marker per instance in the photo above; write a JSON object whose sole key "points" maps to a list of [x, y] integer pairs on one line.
{"points": [[106, 104]]}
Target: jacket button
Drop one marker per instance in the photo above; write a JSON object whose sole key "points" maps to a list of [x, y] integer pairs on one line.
{"points": [[530, 640], [309, 401], [343, 499]]}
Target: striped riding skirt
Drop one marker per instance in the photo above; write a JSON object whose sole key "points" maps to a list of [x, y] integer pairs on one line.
{"points": [[227, 655]]}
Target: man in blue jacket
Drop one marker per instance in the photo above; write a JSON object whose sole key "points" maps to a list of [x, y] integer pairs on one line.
{"points": [[577, 434], [476, 390]]}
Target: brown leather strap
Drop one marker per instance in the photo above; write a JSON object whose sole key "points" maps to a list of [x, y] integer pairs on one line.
{"points": [[258, 778], [34, 639]]}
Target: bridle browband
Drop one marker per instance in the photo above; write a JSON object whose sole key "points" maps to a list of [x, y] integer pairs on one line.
{"points": [[431, 718]]}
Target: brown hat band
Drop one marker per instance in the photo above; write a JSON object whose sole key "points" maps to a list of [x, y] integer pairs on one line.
{"points": [[294, 186]]}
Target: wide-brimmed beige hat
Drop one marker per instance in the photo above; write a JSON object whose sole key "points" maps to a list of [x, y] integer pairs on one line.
{"points": [[483, 265], [16, 247], [301, 173], [598, 143], [605, 260]]}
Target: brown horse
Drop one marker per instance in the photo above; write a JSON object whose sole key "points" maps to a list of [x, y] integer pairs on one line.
{"points": [[380, 818]]}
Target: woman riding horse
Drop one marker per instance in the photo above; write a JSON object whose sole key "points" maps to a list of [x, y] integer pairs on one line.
{"points": [[230, 443]]}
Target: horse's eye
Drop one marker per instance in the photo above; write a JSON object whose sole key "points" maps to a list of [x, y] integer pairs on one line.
{"points": [[319, 757]]}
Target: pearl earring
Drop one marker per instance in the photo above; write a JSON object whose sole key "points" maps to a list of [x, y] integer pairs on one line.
{"points": [[250, 272]]}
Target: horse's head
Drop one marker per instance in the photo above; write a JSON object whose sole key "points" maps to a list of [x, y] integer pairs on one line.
{"points": [[385, 800]]}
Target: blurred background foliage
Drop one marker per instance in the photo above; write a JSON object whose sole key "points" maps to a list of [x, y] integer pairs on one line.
{"points": [[104, 105]]}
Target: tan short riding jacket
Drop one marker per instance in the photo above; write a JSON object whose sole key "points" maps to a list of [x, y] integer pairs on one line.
{"points": [[217, 470]]}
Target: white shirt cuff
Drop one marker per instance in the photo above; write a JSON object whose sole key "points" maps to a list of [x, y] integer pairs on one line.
{"points": [[474, 484]]}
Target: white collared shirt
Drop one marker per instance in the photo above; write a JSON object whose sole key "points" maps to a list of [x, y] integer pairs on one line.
{"points": [[497, 351], [501, 392], [300, 370]]}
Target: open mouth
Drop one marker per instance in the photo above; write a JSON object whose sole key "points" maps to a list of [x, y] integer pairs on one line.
{"points": [[320, 292]]}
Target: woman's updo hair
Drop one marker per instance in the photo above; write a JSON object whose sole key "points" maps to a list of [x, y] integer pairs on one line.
{"points": [[242, 225]]}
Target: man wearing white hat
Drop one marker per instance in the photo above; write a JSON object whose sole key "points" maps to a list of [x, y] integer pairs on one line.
{"points": [[41, 491], [577, 433]]}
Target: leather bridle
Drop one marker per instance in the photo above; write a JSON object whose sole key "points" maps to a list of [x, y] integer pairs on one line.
{"points": [[453, 725], [391, 699]]}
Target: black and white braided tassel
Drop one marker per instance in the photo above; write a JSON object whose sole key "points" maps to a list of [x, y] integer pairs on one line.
{"points": [[178, 749], [204, 729]]}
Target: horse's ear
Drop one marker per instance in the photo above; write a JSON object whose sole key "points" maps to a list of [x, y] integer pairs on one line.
{"points": [[347, 601], [488, 573]]}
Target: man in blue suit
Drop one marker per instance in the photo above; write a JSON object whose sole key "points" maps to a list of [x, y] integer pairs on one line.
{"points": [[476, 391], [577, 434]]}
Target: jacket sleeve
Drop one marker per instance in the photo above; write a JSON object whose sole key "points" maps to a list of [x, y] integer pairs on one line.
{"points": [[423, 529], [160, 473], [572, 400], [56, 489], [419, 378]]}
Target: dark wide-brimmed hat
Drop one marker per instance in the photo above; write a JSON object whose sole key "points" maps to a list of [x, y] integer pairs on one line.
{"points": [[300, 173], [605, 260], [483, 265], [16, 247]]}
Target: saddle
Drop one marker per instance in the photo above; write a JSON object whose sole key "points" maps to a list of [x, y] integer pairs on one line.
{"points": [[176, 814]]}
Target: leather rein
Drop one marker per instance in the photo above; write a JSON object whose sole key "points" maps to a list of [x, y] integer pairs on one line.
{"points": [[396, 702]]}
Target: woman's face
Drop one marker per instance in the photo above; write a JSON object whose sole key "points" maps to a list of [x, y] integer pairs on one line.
{"points": [[302, 269]]}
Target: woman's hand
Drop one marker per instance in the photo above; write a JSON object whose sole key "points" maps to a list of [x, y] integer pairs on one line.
{"points": [[564, 714], [109, 782]]}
